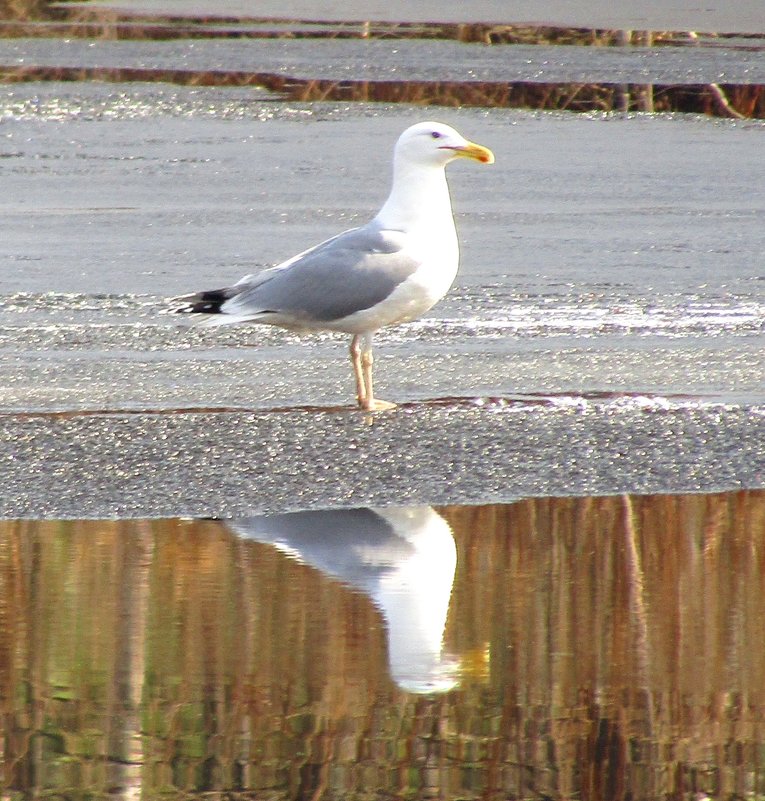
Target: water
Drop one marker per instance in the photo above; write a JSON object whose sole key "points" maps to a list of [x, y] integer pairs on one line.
{"points": [[219, 578], [550, 648], [730, 61], [570, 275], [653, 14]]}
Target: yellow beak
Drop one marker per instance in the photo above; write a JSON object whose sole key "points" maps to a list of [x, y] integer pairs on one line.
{"points": [[477, 152]]}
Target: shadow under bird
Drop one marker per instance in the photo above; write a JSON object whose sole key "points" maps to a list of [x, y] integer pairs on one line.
{"points": [[391, 270]]}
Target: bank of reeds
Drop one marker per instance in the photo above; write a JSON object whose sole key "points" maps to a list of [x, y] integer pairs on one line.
{"points": [[721, 100], [81, 21]]}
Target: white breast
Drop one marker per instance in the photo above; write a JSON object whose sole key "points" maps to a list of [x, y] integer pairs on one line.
{"points": [[418, 293]]}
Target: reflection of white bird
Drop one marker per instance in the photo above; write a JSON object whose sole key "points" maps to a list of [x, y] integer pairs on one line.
{"points": [[403, 558], [391, 270]]}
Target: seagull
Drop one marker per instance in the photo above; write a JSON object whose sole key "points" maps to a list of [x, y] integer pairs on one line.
{"points": [[389, 271]]}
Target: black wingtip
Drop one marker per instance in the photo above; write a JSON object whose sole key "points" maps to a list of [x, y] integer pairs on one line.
{"points": [[210, 302], [200, 307]]}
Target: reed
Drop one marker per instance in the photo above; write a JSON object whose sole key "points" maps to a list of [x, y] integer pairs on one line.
{"points": [[737, 100]]}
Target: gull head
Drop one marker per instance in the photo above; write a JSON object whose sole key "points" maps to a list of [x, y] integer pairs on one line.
{"points": [[437, 144]]}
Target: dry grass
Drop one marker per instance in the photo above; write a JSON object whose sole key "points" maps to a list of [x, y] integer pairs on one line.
{"points": [[737, 100]]}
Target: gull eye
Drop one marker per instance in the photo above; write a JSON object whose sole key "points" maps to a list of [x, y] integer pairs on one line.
{"points": [[436, 134]]}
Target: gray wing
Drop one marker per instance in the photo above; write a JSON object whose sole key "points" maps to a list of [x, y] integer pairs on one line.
{"points": [[355, 545], [350, 272]]}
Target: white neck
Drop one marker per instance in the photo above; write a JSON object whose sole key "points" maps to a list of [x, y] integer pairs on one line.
{"points": [[419, 197]]}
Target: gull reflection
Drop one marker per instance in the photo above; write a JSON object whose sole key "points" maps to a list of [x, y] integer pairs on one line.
{"points": [[402, 557]]}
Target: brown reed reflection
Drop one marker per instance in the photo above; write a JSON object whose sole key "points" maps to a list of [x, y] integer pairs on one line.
{"points": [[608, 648]]}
